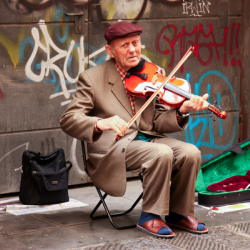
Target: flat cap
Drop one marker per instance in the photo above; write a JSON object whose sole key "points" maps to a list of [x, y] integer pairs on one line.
{"points": [[121, 29]]}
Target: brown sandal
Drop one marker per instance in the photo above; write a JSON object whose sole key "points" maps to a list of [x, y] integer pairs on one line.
{"points": [[189, 224], [151, 227]]}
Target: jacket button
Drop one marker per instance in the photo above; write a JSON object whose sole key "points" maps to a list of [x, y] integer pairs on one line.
{"points": [[130, 138], [123, 150]]}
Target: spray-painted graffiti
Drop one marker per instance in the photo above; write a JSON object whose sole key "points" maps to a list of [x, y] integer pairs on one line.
{"points": [[110, 9], [26, 145], [11, 47], [196, 8], [198, 34], [50, 64], [206, 121], [1, 94], [24, 7]]}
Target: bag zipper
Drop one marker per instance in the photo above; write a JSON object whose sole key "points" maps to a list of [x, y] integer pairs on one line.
{"points": [[41, 173], [20, 168]]}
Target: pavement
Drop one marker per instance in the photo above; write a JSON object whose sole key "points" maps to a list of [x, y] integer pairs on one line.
{"points": [[73, 229]]}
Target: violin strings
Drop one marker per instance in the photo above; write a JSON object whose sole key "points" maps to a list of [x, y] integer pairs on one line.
{"points": [[170, 86], [177, 90]]}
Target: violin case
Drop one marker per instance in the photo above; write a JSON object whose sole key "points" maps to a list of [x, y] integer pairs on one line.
{"points": [[228, 165]]}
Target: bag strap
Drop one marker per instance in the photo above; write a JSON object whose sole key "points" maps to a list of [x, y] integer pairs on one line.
{"points": [[70, 165], [55, 173]]}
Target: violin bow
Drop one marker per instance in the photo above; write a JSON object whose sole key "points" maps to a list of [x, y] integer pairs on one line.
{"points": [[183, 59]]}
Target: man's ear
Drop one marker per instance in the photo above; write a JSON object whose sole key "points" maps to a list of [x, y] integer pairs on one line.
{"points": [[109, 50]]}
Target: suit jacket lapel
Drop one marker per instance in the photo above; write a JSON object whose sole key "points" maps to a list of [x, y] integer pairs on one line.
{"points": [[118, 87]]}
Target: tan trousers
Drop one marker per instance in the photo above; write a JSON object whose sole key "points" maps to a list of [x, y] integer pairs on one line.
{"points": [[162, 162]]}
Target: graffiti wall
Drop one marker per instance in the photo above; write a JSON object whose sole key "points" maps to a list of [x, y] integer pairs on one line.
{"points": [[44, 45]]}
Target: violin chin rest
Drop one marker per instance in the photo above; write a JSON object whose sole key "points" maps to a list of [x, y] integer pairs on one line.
{"points": [[138, 67]]}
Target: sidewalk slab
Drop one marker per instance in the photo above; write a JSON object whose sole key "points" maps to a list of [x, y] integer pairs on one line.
{"points": [[73, 228]]}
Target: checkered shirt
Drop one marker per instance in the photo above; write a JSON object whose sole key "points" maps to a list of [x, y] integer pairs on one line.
{"points": [[131, 98]]}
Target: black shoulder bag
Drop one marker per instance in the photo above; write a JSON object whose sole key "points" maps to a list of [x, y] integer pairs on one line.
{"points": [[44, 178]]}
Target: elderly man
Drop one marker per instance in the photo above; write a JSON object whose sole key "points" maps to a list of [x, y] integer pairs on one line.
{"points": [[101, 108]]}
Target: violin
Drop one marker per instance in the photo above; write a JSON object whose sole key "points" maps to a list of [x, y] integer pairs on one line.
{"points": [[146, 75], [147, 79]]}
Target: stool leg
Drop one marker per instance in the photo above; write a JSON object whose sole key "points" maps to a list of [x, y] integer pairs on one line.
{"points": [[108, 214]]}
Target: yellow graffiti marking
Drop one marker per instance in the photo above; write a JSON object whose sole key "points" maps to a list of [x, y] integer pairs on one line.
{"points": [[131, 14], [161, 61], [12, 47], [110, 7]]}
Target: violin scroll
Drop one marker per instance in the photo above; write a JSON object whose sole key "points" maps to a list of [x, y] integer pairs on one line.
{"points": [[217, 111]]}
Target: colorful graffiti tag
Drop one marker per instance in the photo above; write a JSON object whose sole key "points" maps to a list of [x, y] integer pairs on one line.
{"points": [[205, 121], [196, 8], [50, 64], [198, 34]]}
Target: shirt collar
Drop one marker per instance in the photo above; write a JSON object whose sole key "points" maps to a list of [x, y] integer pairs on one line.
{"points": [[121, 71]]}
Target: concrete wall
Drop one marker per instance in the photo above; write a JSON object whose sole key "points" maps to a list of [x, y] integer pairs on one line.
{"points": [[43, 50]]}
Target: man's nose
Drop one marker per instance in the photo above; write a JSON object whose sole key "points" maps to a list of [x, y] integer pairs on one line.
{"points": [[131, 48]]}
